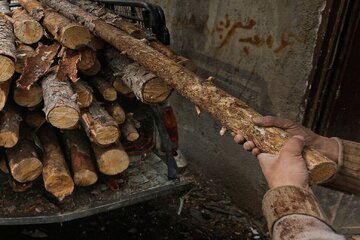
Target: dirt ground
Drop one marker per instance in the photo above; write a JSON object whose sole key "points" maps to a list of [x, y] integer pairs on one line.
{"points": [[206, 213]]}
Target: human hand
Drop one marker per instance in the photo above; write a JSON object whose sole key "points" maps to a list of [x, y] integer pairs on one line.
{"points": [[327, 146], [289, 168]]}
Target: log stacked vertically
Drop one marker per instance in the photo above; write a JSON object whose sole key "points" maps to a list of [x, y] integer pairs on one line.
{"points": [[233, 114], [7, 44]]}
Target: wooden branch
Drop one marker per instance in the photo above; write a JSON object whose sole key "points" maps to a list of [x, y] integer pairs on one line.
{"points": [[128, 129], [56, 175], [112, 159], [28, 98], [233, 114], [145, 85], [84, 93], [9, 127], [7, 49], [78, 150], [116, 112], [69, 34], [24, 162], [103, 87], [99, 126], [4, 92], [60, 105], [22, 52], [26, 28]]}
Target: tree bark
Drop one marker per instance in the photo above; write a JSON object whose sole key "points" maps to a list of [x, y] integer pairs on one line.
{"points": [[4, 92], [56, 175], [22, 52], [128, 129], [78, 150], [116, 111], [99, 126], [69, 34], [28, 98], [84, 93], [147, 87], [26, 28], [232, 113], [60, 106], [24, 162], [9, 127], [111, 160], [103, 87], [7, 50], [128, 27]]}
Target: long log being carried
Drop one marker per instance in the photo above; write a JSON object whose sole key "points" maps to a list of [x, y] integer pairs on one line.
{"points": [[7, 44], [233, 114]]}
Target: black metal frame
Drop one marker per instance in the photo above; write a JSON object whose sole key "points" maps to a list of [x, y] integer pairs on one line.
{"points": [[152, 16]]}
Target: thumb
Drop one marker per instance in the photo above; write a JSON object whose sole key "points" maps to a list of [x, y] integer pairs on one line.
{"points": [[266, 160], [270, 121], [293, 147]]}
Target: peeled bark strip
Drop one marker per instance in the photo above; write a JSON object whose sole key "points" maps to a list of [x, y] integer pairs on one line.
{"points": [[24, 162], [84, 93], [7, 50], [26, 28], [38, 65], [67, 67], [56, 175], [104, 87], [116, 111], [22, 52], [92, 71], [60, 105], [111, 160], [78, 149], [233, 114], [146, 86], [87, 60], [99, 126], [9, 127], [4, 92], [28, 98]]}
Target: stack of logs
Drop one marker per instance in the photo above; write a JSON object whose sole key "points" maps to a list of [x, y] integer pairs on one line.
{"points": [[59, 99]]}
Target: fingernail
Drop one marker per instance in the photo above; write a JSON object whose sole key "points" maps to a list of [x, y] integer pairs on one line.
{"points": [[299, 137]]}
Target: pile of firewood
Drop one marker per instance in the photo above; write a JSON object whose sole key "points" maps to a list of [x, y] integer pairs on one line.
{"points": [[74, 58], [58, 79]]}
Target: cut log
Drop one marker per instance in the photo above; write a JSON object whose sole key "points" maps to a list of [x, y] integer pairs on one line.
{"points": [[28, 98], [233, 114], [111, 160], [38, 65], [26, 28], [147, 87], [96, 43], [84, 93], [56, 175], [7, 50], [128, 129], [116, 111], [24, 162], [69, 34], [22, 52], [103, 87], [78, 150], [4, 92], [116, 81], [9, 127], [88, 59], [128, 27], [35, 119], [95, 69], [60, 107], [99, 126]]}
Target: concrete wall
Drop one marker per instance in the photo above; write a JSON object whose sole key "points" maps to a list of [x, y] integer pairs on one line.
{"points": [[261, 51]]}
